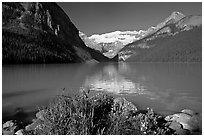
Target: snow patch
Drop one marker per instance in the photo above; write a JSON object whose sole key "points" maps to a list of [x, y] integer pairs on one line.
{"points": [[124, 37]]}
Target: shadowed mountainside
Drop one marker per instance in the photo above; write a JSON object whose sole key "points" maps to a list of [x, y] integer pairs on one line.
{"points": [[42, 33], [171, 41]]}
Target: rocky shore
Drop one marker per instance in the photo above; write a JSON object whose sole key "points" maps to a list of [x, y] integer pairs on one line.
{"points": [[122, 113]]}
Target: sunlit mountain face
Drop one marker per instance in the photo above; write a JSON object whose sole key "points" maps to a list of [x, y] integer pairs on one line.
{"points": [[110, 43]]}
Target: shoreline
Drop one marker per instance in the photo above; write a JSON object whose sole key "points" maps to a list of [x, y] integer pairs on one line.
{"points": [[177, 123]]}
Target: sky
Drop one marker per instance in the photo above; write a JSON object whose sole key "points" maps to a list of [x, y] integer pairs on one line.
{"points": [[102, 17]]}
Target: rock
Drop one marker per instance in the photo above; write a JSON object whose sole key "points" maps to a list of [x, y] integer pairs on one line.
{"points": [[9, 131], [182, 117], [123, 106], [39, 115], [33, 125], [20, 132], [195, 123], [8, 124], [168, 118], [182, 132], [171, 118], [5, 132], [187, 121], [196, 133], [9, 128], [188, 111], [178, 128], [36, 122], [198, 118], [175, 125]]}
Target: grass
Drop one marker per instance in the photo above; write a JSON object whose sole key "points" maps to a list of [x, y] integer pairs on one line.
{"points": [[96, 115]]}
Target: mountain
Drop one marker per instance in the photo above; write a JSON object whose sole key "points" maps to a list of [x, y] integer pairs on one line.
{"points": [[173, 18], [88, 42], [189, 22], [36, 32], [110, 43], [177, 39]]}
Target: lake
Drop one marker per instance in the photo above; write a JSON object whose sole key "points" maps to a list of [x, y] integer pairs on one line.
{"points": [[165, 87]]}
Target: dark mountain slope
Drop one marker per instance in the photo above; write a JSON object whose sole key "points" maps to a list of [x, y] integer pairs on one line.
{"points": [[177, 39], [185, 46], [36, 47], [42, 33]]}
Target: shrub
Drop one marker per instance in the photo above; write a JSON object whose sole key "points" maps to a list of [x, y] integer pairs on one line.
{"points": [[78, 115], [84, 115]]}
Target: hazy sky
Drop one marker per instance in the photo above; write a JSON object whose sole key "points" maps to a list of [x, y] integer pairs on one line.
{"points": [[101, 17]]}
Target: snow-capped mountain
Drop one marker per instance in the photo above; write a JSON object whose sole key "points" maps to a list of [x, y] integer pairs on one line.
{"points": [[110, 43], [88, 42], [174, 24], [124, 37], [173, 18]]}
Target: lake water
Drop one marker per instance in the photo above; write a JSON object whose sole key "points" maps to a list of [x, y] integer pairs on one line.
{"points": [[165, 87]]}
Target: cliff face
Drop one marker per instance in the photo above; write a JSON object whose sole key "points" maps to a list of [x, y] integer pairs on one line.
{"points": [[41, 33]]}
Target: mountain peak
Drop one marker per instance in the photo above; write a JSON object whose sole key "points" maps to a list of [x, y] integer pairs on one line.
{"points": [[173, 18], [176, 15]]}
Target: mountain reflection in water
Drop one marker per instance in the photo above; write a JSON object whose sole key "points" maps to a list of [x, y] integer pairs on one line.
{"points": [[167, 85], [110, 80], [161, 86]]}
